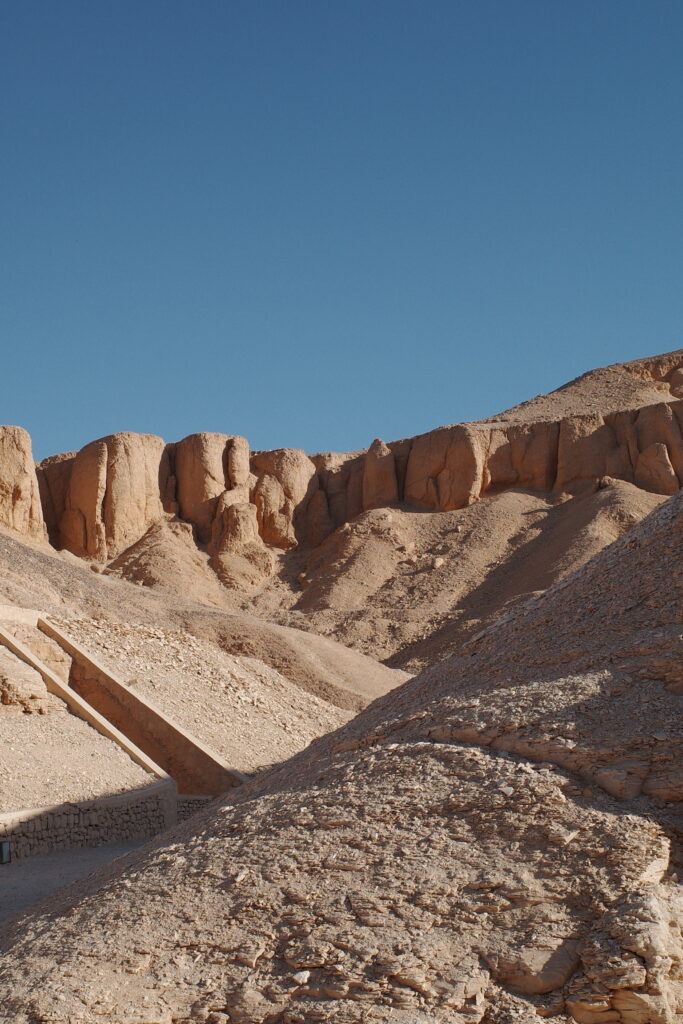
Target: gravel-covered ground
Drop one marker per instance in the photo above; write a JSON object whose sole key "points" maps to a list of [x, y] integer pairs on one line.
{"points": [[247, 712], [48, 759], [24, 882]]}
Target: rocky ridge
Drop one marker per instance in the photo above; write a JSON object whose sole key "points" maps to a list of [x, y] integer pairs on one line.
{"points": [[451, 526], [245, 507]]}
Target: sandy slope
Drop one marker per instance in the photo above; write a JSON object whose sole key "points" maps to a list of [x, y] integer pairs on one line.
{"points": [[410, 587], [606, 389], [396, 584], [496, 839], [239, 707], [252, 691], [35, 576]]}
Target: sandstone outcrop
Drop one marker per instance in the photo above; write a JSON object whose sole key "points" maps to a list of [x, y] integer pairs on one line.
{"points": [[285, 482], [113, 495], [200, 465], [20, 506], [239, 556], [341, 481], [452, 467], [205, 466], [622, 422], [654, 472], [235, 526], [380, 485], [446, 468], [103, 499], [53, 480]]}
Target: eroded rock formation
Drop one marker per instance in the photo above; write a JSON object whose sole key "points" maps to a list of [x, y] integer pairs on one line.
{"points": [[285, 482], [239, 555], [20, 506], [380, 484], [111, 494], [101, 500], [207, 466]]}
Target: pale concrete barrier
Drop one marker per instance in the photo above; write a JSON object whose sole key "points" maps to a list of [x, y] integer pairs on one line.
{"points": [[195, 768], [79, 706]]}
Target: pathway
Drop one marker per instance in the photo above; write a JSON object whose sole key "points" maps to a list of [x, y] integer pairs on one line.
{"points": [[23, 882]]}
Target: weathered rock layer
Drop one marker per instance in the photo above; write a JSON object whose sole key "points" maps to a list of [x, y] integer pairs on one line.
{"points": [[20, 507], [101, 500]]}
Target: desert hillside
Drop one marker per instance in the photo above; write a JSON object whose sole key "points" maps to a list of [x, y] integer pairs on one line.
{"points": [[341, 632], [442, 676], [497, 839]]}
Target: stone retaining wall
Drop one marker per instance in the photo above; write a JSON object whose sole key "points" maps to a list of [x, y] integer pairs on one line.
{"points": [[137, 814], [189, 805]]}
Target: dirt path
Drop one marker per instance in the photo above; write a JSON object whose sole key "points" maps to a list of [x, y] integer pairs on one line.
{"points": [[24, 882]]}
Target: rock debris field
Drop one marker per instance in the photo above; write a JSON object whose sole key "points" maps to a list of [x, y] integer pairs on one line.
{"points": [[49, 756], [51, 759]]}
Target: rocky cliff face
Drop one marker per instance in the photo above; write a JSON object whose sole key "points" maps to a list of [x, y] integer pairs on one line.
{"points": [[20, 507], [101, 500], [112, 494]]}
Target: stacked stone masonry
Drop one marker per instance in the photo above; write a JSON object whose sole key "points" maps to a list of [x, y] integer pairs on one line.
{"points": [[189, 805], [134, 815]]}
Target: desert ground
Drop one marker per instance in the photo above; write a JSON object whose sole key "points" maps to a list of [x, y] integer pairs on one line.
{"points": [[445, 674]]}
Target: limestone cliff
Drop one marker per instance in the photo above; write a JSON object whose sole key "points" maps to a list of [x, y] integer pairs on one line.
{"points": [[20, 507], [623, 422]]}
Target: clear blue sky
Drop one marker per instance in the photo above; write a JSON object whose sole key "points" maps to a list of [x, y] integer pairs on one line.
{"points": [[313, 223]]}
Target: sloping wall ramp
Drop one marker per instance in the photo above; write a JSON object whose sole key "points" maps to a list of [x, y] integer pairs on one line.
{"points": [[195, 768]]}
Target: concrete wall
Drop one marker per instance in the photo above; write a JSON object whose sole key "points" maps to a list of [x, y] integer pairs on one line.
{"points": [[113, 819], [78, 706], [196, 769]]}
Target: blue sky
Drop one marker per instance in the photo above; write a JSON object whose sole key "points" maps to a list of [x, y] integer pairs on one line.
{"points": [[314, 223]]}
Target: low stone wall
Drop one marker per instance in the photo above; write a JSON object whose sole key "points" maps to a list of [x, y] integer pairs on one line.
{"points": [[114, 819], [189, 805]]}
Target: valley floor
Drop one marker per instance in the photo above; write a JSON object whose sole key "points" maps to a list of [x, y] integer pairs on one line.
{"points": [[25, 882]]}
